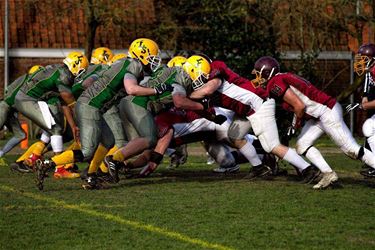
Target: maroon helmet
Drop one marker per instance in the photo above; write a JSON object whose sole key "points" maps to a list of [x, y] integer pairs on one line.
{"points": [[264, 69], [364, 59]]}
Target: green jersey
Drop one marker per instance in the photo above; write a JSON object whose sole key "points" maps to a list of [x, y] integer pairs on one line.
{"points": [[54, 78], [174, 76], [94, 71], [14, 87], [109, 88]]}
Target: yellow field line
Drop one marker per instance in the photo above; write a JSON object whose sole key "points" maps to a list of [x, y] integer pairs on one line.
{"points": [[118, 219]]}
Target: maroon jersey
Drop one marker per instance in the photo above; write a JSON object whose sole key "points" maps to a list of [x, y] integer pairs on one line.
{"points": [[236, 93], [220, 70], [314, 99], [165, 120]]}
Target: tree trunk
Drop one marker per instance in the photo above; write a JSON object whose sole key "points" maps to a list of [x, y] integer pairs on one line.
{"points": [[90, 41], [350, 89], [91, 27]]}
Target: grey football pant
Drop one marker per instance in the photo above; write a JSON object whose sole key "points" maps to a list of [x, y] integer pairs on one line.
{"points": [[140, 118], [8, 117], [113, 121], [94, 129], [130, 132], [31, 110]]}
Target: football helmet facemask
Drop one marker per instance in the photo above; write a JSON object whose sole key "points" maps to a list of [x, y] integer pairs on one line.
{"points": [[198, 69], [364, 59], [264, 69], [146, 51], [77, 62]]}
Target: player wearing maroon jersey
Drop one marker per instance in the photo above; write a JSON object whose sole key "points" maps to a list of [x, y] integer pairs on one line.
{"points": [[229, 90], [324, 113], [364, 64]]}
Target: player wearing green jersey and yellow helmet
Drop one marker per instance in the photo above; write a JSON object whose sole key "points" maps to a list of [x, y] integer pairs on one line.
{"points": [[120, 79], [8, 114], [32, 96]]}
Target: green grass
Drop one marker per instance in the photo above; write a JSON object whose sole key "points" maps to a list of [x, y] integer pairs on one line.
{"points": [[189, 208]]}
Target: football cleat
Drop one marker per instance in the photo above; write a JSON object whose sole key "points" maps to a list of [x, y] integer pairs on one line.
{"points": [[210, 160], [91, 182], [113, 167], [20, 167], [222, 170], [31, 160], [62, 173], [370, 173], [258, 171], [310, 174], [327, 180], [41, 168], [106, 177]]}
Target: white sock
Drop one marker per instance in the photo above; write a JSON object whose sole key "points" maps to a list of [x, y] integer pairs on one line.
{"points": [[250, 153], [45, 137], [57, 143], [295, 159], [317, 159]]}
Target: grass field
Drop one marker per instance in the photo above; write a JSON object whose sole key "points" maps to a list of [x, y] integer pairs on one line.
{"points": [[189, 208]]}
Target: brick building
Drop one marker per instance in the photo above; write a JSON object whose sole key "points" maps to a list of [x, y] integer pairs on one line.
{"points": [[56, 24]]}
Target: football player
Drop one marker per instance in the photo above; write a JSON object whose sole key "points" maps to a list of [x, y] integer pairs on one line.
{"points": [[364, 64], [31, 99], [306, 101], [8, 114]]}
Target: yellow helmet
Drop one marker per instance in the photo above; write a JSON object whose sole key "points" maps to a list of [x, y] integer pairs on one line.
{"points": [[176, 61], [147, 51], [101, 55], [198, 69], [76, 62], [117, 57], [34, 69]]}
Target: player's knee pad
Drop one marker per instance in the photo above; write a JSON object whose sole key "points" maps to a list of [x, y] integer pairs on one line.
{"points": [[368, 127]]}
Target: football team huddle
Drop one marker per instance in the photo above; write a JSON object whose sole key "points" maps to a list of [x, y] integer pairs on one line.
{"points": [[124, 112]]}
